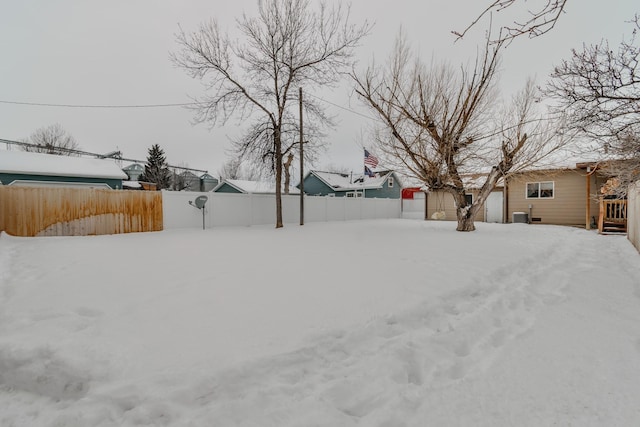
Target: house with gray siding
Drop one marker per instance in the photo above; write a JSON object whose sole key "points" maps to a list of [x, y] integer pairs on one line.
{"points": [[383, 185], [21, 168]]}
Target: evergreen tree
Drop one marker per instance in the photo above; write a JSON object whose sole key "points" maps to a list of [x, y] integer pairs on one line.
{"points": [[156, 170]]}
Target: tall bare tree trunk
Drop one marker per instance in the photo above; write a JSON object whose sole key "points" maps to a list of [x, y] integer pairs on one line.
{"points": [[465, 220], [464, 213], [287, 173]]}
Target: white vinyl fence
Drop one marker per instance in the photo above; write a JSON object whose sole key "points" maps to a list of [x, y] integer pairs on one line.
{"points": [[633, 215], [413, 208], [223, 209]]}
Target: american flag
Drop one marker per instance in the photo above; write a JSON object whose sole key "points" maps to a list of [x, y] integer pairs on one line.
{"points": [[370, 159]]}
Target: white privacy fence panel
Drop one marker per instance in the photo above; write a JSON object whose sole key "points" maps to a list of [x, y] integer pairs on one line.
{"points": [[224, 209], [228, 209], [413, 209], [633, 215], [177, 213]]}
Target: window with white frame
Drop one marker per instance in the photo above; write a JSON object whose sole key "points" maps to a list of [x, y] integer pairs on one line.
{"points": [[354, 194], [540, 190], [390, 182]]}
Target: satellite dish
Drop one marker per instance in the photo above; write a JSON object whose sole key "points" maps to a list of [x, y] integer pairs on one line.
{"points": [[200, 201]]}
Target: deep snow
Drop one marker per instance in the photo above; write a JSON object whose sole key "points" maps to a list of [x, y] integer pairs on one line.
{"points": [[384, 323]]}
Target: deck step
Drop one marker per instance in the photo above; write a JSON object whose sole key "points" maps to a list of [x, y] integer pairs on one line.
{"points": [[614, 227]]}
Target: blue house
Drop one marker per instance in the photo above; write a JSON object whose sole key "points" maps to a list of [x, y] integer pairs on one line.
{"points": [[383, 185], [21, 168]]}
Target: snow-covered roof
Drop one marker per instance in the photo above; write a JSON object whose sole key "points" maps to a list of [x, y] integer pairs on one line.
{"points": [[131, 184], [23, 162], [254, 187], [350, 182], [477, 181]]}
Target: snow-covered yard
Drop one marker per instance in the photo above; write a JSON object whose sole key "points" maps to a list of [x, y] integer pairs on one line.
{"points": [[385, 323]]}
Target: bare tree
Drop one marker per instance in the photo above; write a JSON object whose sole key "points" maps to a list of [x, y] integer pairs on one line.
{"points": [[441, 125], [287, 46], [260, 155], [234, 168], [52, 139], [599, 88], [538, 20]]}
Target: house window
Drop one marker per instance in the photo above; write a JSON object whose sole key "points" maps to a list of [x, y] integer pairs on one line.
{"points": [[390, 182], [468, 198], [540, 190], [354, 194]]}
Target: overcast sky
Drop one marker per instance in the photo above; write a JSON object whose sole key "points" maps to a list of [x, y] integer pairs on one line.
{"points": [[117, 53]]}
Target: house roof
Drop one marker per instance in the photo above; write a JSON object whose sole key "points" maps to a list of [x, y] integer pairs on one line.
{"points": [[23, 162], [254, 187], [131, 184], [475, 182], [350, 182]]}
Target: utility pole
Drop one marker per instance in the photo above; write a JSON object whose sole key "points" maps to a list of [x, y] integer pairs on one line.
{"points": [[301, 164]]}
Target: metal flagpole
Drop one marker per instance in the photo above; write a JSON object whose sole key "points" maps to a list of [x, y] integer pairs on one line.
{"points": [[364, 176]]}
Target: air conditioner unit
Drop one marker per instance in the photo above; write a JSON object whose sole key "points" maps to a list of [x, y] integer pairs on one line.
{"points": [[520, 217]]}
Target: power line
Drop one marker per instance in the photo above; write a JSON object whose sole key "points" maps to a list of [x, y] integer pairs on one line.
{"points": [[166, 105], [42, 104], [343, 108]]}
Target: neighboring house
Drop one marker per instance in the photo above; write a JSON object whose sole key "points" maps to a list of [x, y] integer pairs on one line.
{"points": [[383, 185], [562, 195], [134, 171], [239, 186], [21, 168]]}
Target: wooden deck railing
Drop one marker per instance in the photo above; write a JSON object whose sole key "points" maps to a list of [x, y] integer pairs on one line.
{"points": [[613, 215]]}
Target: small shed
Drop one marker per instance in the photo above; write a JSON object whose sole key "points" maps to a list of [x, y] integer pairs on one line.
{"points": [[413, 193], [21, 168]]}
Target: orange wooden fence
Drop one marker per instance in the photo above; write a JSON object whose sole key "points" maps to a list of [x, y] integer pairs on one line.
{"points": [[45, 211]]}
